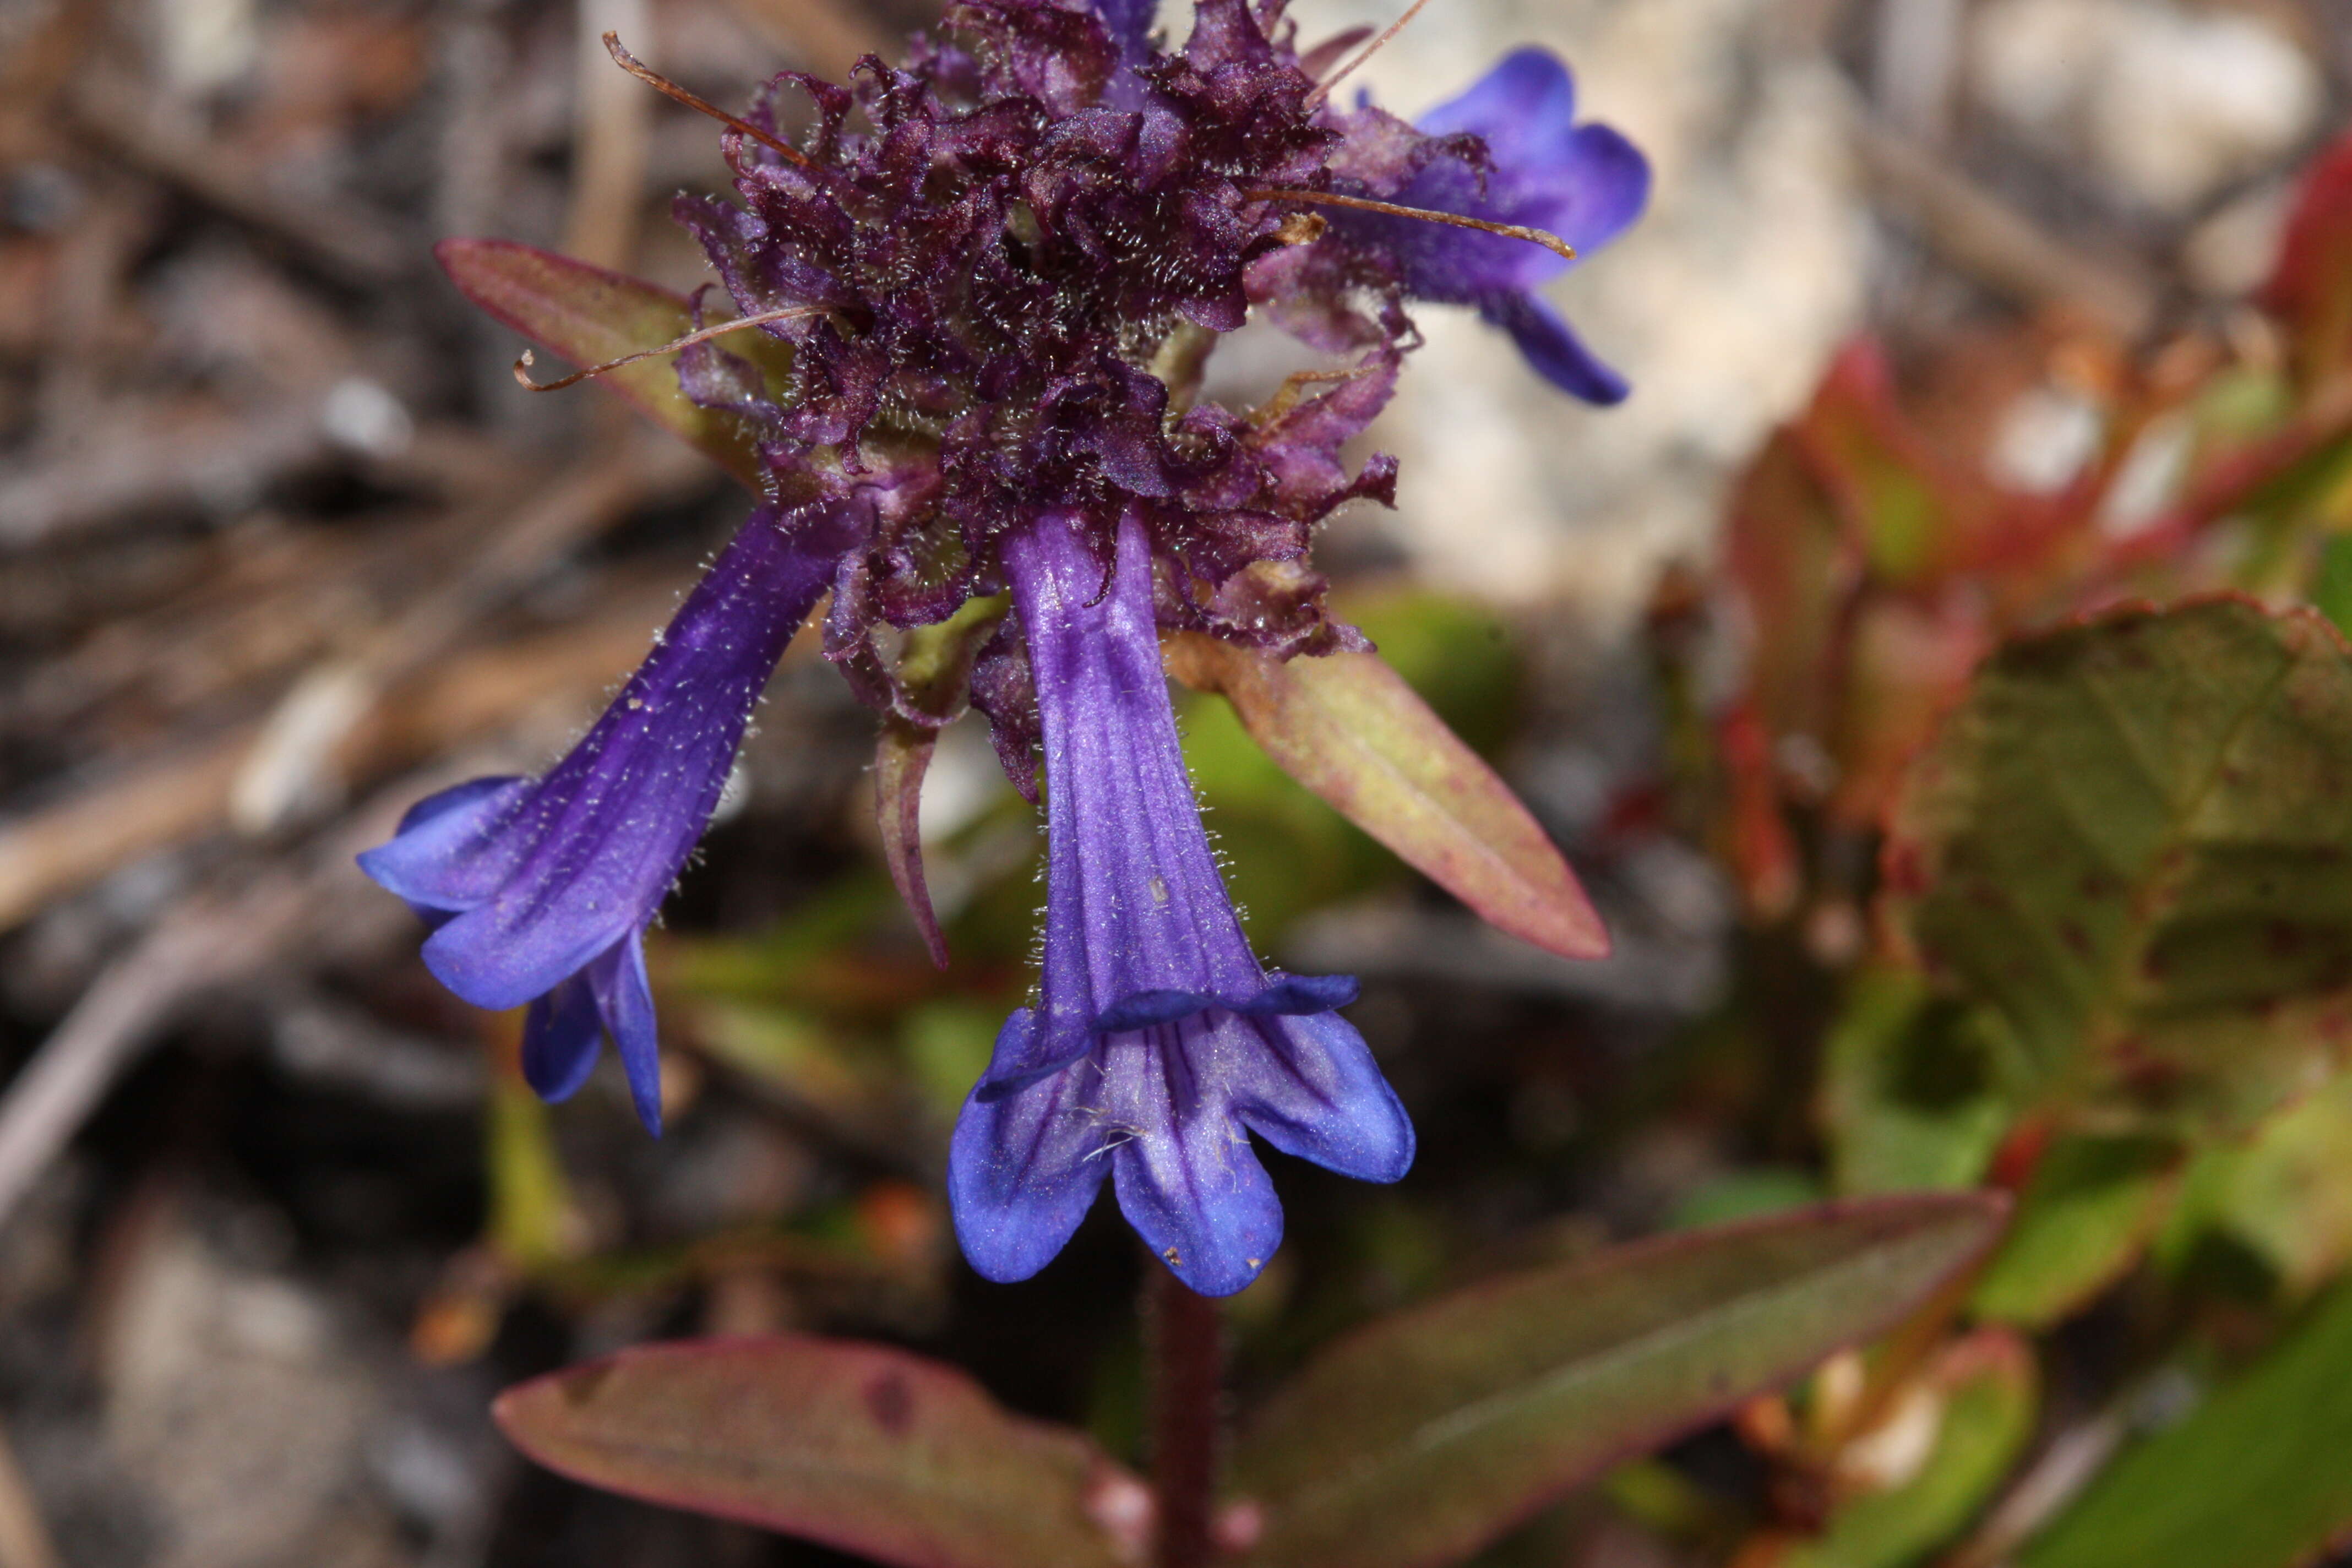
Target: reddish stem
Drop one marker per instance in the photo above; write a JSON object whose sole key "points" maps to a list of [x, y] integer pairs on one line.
{"points": [[1187, 1349]]}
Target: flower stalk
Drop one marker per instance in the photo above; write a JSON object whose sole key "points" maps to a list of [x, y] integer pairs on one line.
{"points": [[1187, 1344]]}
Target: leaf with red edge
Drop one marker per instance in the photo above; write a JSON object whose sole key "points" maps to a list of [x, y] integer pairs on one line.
{"points": [[1909, 511], [1873, 572], [590, 316], [1350, 729], [2311, 288], [864, 1447], [1908, 662], [1791, 566], [1420, 1438]]}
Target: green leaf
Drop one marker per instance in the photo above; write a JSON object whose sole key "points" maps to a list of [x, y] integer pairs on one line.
{"points": [[2287, 1193], [2255, 1478], [1288, 852], [1427, 1434], [1350, 729], [946, 1045], [863, 1447], [2132, 845], [2088, 1212], [1906, 1090], [793, 1050], [2331, 587], [589, 316], [1980, 1399]]}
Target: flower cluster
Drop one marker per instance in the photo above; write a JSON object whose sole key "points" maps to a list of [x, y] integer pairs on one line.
{"points": [[999, 269]]}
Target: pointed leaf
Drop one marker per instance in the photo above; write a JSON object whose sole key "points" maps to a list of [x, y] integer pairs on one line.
{"points": [[1350, 729], [933, 685], [902, 755], [861, 1447], [589, 316], [2255, 1478], [1431, 1432], [2132, 846]]}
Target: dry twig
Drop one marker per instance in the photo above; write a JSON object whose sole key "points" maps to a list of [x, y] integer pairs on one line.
{"points": [[2001, 246]]}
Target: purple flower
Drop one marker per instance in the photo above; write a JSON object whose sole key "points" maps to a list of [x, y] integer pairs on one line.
{"points": [[540, 892], [993, 276], [1158, 1044], [1585, 182]]}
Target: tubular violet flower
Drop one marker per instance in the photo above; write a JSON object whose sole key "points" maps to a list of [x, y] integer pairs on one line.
{"points": [[989, 280], [540, 890], [1158, 1044]]}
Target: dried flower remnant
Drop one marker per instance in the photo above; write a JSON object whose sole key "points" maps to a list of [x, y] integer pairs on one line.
{"points": [[997, 270]]}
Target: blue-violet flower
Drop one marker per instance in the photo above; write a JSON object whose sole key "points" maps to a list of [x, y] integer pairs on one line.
{"points": [[1586, 184], [1158, 1044], [994, 289], [540, 892]]}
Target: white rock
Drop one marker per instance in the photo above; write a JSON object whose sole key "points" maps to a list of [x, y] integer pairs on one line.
{"points": [[2165, 102]]}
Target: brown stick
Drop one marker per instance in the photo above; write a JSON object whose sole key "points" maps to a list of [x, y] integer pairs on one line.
{"points": [[1986, 238], [202, 943]]}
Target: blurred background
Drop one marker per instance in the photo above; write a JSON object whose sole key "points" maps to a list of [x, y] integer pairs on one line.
{"points": [[283, 547]]}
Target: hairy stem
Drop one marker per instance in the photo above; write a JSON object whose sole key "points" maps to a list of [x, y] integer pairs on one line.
{"points": [[1186, 1341]]}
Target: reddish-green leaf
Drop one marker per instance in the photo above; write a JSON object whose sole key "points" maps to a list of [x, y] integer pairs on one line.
{"points": [[1350, 729], [1422, 1437], [2310, 289], [1912, 512], [864, 1447], [2132, 846], [589, 316]]}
